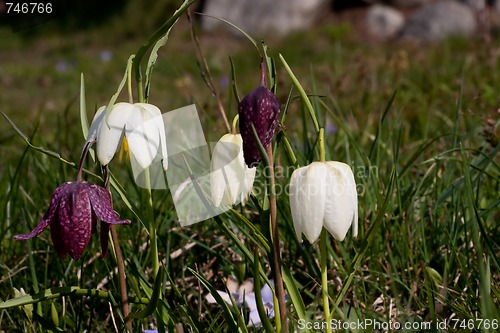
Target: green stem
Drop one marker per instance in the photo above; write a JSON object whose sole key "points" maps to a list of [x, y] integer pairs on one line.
{"points": [[324, 279], [129, 86], [64, 291], [278, 278], [152, 227], [121, 277], [235, 121], [321, 140], [140, 93]]}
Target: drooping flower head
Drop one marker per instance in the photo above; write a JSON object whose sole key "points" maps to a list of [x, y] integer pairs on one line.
{"points": [[75, 208], [260, 108], [231, 180], [323, 194], [142, 125]]}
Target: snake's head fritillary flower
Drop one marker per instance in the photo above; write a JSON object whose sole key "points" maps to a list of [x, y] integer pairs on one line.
{"points": [[260, 108], [142, 125], [323, 194], [75, 208], [231, 180]]}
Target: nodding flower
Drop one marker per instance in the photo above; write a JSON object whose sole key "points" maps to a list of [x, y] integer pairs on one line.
{"points": [[141, 124], [73, 213], [261, 109], [231, 181], [323, 194]]}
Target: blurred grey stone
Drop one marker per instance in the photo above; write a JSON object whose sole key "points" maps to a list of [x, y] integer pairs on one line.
{"points": [[475, 4], [495, 5], [263, 16], [408, 3], [384, 22], [439, 20]]}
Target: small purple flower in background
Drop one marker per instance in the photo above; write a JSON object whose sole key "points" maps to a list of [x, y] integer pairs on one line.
{"points": [[224, 81], [72, 214], [331, 129], [243, 295], [260, 108], [106, 56], [62, 66], [267, 301]]}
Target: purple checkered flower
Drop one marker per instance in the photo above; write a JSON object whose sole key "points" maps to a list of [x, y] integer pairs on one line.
{"points": [[74, 210], [260, 108]]}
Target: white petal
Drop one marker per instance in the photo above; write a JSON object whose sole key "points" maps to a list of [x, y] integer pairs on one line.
{"points": [[109, 134], [249, 180], [156, 113], [142, 132], [246, 287], [341, 209], [231, 180], [225, 296], [217, 186], [96, 122], [232, 285], [307, 200]]}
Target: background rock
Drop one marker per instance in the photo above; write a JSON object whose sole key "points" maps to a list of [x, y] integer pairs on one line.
{"points": [[263, 16], [408, 3], [438, 20], [384, 22]]}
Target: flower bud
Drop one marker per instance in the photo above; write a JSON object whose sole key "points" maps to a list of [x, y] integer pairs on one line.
{"points": [[260, 108]]}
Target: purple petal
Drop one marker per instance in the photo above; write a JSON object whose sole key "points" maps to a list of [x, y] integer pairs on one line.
{"points": [[267, 293], [72, 226], [42, 225], [260, 108], [104, 239], [254, 318], [59, 192], [102, 205], [59, 240]]}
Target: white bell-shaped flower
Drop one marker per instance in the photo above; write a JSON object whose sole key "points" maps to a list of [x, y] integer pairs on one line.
{"points": [[231, 181], [323, 194], [142, 125]]}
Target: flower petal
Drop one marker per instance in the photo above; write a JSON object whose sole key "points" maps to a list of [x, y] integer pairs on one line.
{"points": [[267, 293], [157, 119], [156, 114], [100, 200], [232, 285], [307, 200], [72, 226], [225, 297], [230, 179], [104, 239], [143, 133], [49, 215], [254, 318], [250, 301], [246, 287], [260, 108], [109, 134], [341, 210], [96, 123]]}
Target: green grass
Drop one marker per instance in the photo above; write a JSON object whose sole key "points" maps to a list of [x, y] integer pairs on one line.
{"points": [[419, 126]]}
